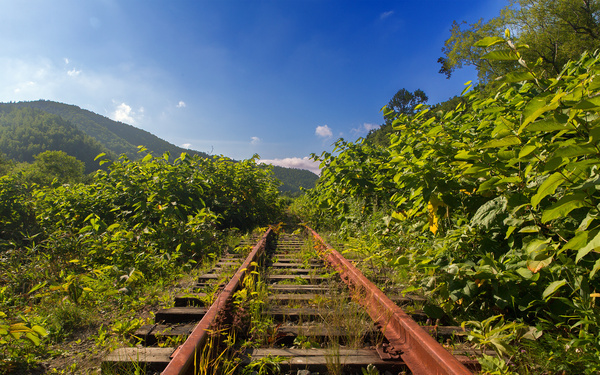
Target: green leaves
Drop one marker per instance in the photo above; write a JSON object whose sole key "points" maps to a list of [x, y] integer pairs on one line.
{"points": [[489, 41], [593, 244], [489, 212], [511, 140], [516, 168], [562, 207], [518, 77], [535, 109], [552, 288], [547, 187], [503, 55], [20, 330]]}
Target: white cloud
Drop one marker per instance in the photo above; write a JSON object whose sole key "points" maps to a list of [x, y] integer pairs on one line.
{"points": [[298, 163], [255, 140], [364, 129], [181, 104], [324, 131], [54, 79], [23, 86], [124, 114], [186, 145], [385, 15]]}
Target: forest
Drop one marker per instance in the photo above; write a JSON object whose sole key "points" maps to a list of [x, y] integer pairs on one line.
{"points": [[487, 204]]}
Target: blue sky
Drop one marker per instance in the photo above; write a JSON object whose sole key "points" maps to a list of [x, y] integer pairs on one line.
{"points": [[282, 78]]}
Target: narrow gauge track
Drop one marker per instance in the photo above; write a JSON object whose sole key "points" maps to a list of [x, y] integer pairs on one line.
{"points": [[317, 325]]}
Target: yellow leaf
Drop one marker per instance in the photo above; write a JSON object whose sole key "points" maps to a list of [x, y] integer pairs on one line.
{"points": [[432, 207]]}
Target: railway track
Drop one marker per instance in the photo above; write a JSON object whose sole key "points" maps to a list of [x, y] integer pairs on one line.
{"points": [[293, 305]]}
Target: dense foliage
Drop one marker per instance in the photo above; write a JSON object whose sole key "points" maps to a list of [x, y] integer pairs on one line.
{"points": [[30, 128], [294, 180], [27, 132], [550, 31], [494, 204], [66, 248]]}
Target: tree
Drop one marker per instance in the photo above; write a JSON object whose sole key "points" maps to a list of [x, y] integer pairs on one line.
{"points": [[6, 164], [558, 30], [54, 164], [405, 101], [548, 31], [459, 50]]}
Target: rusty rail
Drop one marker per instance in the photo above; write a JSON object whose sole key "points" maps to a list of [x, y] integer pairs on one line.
{"points": [[184, 356], [421, 353]]}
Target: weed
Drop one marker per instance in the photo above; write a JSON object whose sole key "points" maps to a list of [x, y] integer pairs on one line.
{"points": [[170, 341], [305, 342], [66, 318], [126, 327], [333, 359], [370, 370], [218, 354], [265, 365]]}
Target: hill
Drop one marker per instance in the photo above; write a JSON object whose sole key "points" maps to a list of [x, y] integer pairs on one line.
{"points": [[294, 179], [26, 132], [118, 137], [29, 128]]}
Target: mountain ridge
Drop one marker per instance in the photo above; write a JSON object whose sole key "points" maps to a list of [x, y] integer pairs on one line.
{"points": [[25, 133]]}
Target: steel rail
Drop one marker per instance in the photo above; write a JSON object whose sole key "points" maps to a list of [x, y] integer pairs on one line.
{"points": [[185, 355], [421, 353]]}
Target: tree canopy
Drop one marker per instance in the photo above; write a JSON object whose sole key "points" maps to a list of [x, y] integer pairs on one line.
{"points": [[404, 101], [50, 165], [546, 32]]}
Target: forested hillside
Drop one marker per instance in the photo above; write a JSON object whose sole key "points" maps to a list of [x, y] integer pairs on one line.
{"points": [[26, 132], [294, 179], [115, 136], [30, 128]]}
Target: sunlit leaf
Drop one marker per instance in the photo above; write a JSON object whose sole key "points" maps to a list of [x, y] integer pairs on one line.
{"points": [[548, 187], [565, 205], [518, 77], [489, 41], [575, 150], [535, 109], [590, 103], [553, 288], [545, 125], [593, 244], [502, 55], [511, 140], [536, 265], [593, 272]]}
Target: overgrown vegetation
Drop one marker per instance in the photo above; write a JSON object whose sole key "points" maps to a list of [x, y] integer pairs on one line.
{"points": [[491, 207], [488, 202], [113, 245]]}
